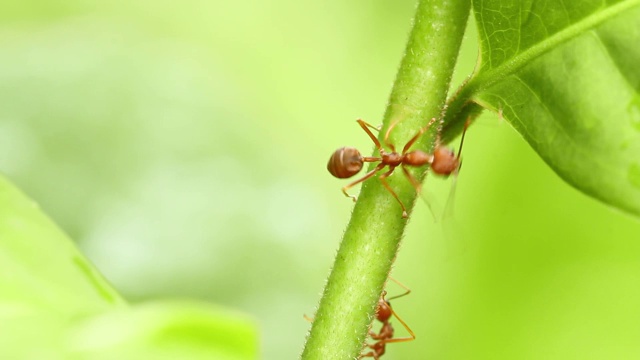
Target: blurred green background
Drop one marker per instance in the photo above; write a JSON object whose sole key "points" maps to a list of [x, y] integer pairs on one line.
{"points": [[183, 145]]}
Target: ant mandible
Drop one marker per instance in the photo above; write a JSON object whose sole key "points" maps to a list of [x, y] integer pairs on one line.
{"points": [[385, 335], [347, 161]]}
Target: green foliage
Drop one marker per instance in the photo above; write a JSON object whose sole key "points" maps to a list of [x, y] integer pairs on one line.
{"points": [[47, 271], [579, 110], [165, 330], [566, 76], [55, 305]]}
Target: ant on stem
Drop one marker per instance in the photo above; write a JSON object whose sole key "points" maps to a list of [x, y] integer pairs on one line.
{"points": [[347, 161], [385, 335]]}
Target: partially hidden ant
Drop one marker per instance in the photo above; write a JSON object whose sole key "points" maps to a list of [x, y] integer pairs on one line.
{"points": [[347, 161], [385, 335]]}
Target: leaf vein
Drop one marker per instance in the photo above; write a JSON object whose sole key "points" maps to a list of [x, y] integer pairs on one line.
{"points": [[485, 79]]}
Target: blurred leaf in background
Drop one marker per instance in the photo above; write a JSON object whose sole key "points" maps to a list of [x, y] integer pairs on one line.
{"points": [[55, 305], [183, 145]]}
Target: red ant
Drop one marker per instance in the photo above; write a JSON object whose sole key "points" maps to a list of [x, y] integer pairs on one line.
{"points": [[347, 161], [385, 335]]}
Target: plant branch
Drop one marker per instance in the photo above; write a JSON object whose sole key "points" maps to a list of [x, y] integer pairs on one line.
{"points": [[373, 235]]}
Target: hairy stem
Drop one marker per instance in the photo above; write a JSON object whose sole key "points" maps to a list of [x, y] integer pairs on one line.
{"points": [[373, 235]]}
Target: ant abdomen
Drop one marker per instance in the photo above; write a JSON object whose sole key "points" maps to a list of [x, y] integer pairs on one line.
{"points": [[345, 162]]}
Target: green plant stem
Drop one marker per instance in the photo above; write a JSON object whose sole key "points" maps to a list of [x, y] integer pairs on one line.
{"points": [[373, 235]]}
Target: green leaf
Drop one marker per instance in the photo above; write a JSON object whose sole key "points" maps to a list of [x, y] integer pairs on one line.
{"points": [[566, 75], [166, 330], [41, 267], [55, 305], [162, 330]]}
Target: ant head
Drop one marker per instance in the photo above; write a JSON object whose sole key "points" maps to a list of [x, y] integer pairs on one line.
{"points": [[445, 161], [383, 311], [345, 162]]}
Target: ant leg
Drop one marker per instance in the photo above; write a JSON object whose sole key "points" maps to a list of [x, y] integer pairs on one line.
{"points": [[377, 350], [417, 136], [365, 177], [449, 205], [466, 126], [364, 125], [386, 185], [386, 135], [416, 184], [413, 140], [308, 318], [407, 292], [370, 354], [376, 128], [404, 324], [464, 132]]}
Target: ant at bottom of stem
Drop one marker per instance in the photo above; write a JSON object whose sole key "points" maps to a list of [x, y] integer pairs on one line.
{"points": [[384, 312]]}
